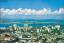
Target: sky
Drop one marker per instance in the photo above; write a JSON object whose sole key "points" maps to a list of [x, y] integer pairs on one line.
{"points": [[32, 9], [34, 4]]}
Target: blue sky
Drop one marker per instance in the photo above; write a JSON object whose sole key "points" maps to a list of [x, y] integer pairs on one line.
{"points": [[34, 4]]}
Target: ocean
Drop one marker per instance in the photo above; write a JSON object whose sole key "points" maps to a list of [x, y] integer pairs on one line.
{"points": [[31, 22]]}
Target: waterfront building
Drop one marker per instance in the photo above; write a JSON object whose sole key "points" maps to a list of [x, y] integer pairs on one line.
{"points": [[10, 28], [15, 27], [25, 27], [57, 26]]}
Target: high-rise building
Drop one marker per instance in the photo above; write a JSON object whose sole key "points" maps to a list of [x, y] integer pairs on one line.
{"points": [[25, 27]]}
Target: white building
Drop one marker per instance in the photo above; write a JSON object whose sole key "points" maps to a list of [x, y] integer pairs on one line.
{"points": [[57, 26]]}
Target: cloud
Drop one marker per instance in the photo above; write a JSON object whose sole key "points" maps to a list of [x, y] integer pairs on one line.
{"points": [[61, 10], [26, 11]]}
